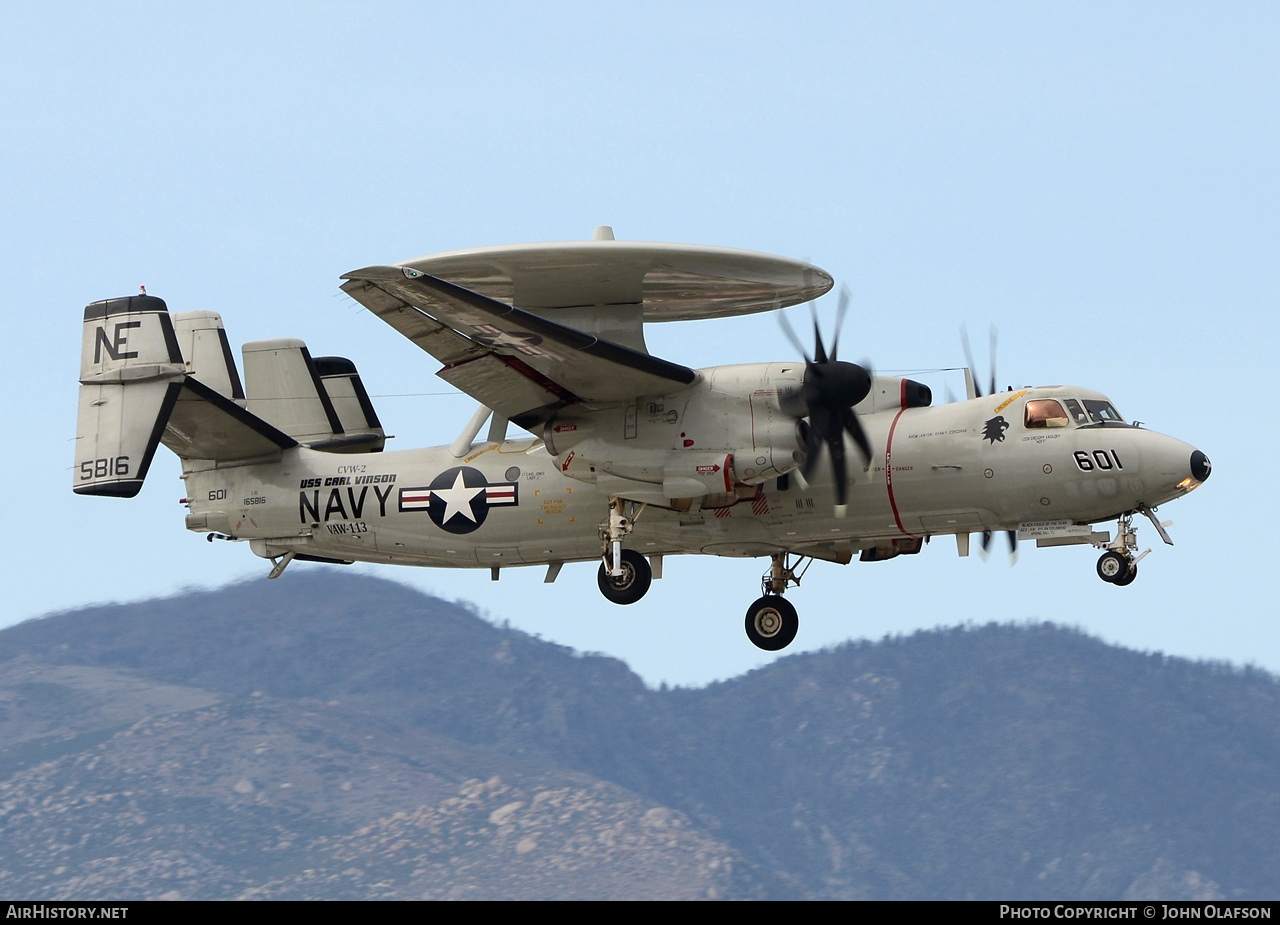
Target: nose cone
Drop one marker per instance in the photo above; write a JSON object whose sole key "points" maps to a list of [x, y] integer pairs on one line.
{"points": [[1200, 467], [1170, 467]]}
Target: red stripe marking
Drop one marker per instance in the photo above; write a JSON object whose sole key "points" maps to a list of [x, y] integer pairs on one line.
{"points": [[728, 479], [888, 460]]}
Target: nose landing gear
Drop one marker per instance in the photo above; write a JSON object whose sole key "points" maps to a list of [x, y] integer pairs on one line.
{"points": [[1116, 568], [1118, 565]]}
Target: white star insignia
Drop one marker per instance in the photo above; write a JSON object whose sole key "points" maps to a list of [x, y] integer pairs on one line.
{"points": [[457, 500]]}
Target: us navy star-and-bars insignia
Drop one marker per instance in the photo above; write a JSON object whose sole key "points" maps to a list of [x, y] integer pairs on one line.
{"points": [[458, 499]]}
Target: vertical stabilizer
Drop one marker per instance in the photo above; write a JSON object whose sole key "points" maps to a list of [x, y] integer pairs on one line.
{"points": [[207, 353], [350, 400], [131, 370], [318, 402], [283, 387]]}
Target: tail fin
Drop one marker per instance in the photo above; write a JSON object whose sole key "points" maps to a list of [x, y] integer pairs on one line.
{"points": [[131, 371], [209, 420], [136, 391], [355, 411], [285, 386], [204, 346]]}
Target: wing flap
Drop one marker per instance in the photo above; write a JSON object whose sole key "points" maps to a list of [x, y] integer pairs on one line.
{"points": [[502, 386]]}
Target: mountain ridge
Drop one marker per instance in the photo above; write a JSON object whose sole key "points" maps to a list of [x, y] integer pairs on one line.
{"points": [[1015, 761]]}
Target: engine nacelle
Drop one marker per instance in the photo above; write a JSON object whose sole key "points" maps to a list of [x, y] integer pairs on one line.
{"points": [[692, 475], [667, 475], [889, 393], [738, 428]]}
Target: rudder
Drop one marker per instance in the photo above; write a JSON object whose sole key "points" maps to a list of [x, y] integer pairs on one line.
{"points": [[129, 342]]}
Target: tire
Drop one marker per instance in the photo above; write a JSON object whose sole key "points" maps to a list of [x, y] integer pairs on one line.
{"points": [[772, 623], [1114, 568], [1128, 577], [632, 584]]}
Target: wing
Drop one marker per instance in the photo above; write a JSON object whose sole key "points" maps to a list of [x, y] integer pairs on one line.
{"points": [[517, 363]]}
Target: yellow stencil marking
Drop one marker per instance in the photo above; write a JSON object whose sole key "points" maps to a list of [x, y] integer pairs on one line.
{"points": [[1010, 400], [492, 446]]}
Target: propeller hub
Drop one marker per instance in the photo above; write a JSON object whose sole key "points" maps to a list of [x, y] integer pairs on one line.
{"points": [[835, 385]]}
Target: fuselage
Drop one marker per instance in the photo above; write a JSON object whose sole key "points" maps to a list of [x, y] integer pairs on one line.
{"points": [[985, 464]]}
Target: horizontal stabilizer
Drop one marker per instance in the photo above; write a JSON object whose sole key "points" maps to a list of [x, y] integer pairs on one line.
{"points": [[205, 424]]}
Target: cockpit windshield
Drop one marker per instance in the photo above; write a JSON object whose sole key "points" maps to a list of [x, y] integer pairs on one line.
{"points": [[1077, 413], [1102, 412]]}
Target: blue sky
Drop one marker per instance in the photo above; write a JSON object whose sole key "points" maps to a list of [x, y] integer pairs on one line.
{"points": [[1098, 180]]}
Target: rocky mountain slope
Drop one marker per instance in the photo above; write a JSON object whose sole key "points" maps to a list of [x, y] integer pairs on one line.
{"points": [[331, 735]]}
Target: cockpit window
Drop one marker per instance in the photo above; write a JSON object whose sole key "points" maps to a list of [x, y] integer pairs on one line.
{"points": [[1077, 412], [1102, 412], [1046, 413]]}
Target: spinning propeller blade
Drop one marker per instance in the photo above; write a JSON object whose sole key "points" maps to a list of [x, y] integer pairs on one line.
{"points": [[791, 335], [1013, 544], [831, 389], [968, 358], [841, 308]]}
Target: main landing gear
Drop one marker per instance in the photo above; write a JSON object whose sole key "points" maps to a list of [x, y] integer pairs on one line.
{"points": [[771, 622], [624, 574], [632, 581]]}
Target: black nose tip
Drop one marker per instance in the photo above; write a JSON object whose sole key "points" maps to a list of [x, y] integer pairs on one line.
{"points": [[1200, 467]]}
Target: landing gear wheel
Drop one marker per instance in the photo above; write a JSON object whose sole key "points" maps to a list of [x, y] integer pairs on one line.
{"points": [[632, 584], [772, 623], [1115, 568], [1128, 577]]}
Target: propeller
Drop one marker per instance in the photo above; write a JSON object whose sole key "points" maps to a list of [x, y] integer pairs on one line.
{"points": [[831, 389], [968, 356], [1013, 544], [973, 375]]}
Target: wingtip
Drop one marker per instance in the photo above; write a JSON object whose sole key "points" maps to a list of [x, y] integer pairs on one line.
{"points": [[374, 272]]}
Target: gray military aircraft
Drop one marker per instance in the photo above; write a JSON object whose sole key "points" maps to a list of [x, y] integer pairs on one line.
{"points": [[630, 458]]}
